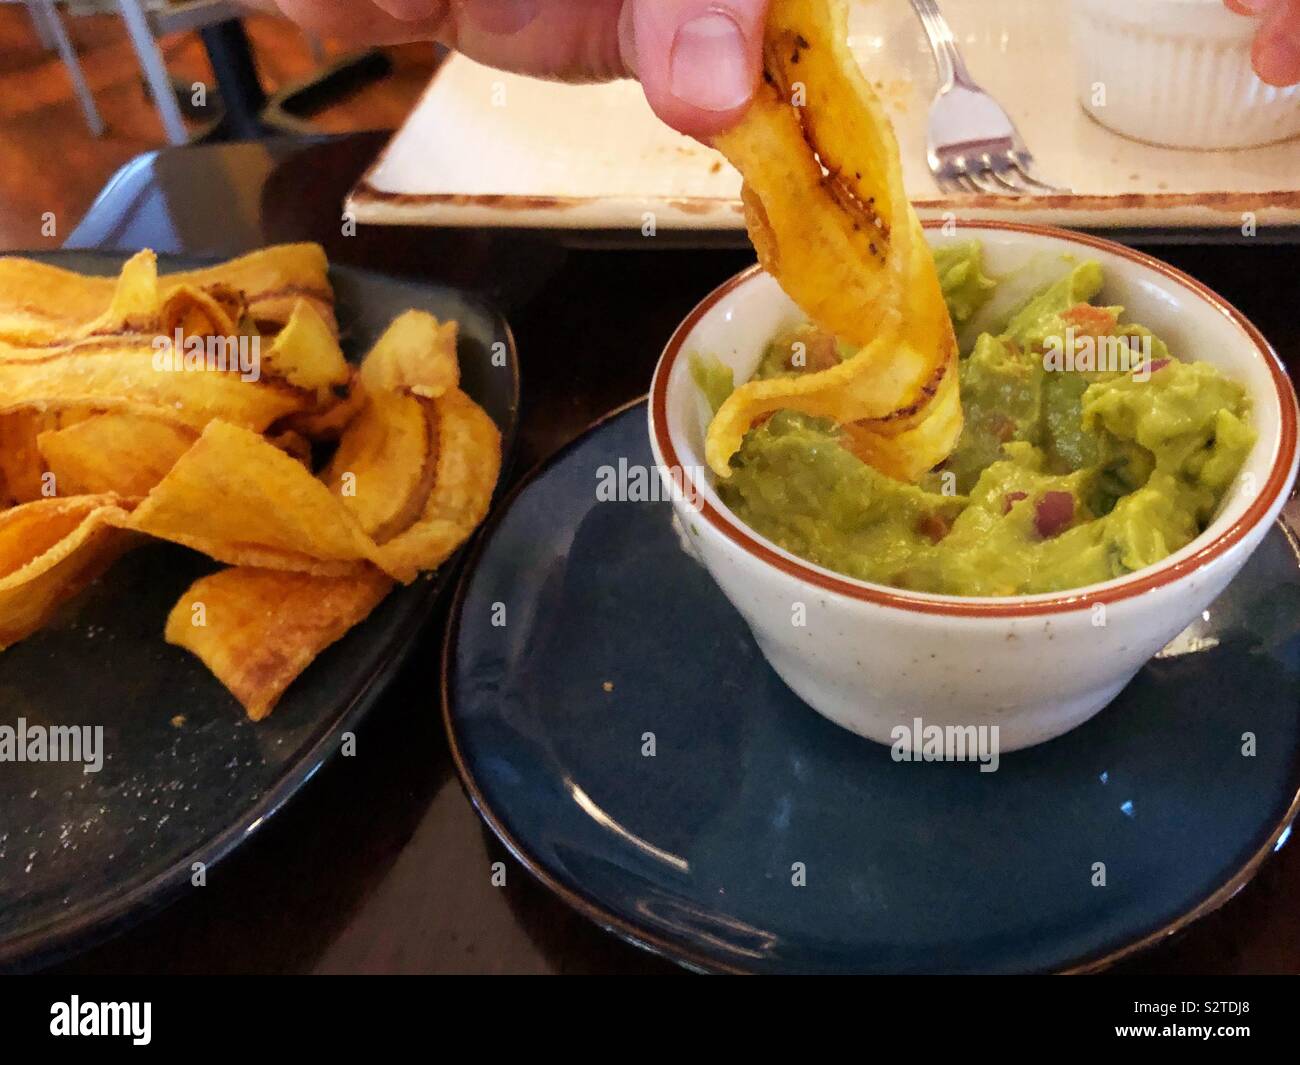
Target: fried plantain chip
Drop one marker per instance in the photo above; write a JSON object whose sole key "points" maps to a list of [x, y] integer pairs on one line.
{"points": [[329, 422], [273, 514], [258, 629], [306, 355], [49, 551], [121, 391], [113, 452], [468, 464], [43, 305], [241, 500], [293, 444], [189, 311], [416, 354], [134, 374], [272, 281], [21, 467], [385, 465], [829, 216], [905, 449]]}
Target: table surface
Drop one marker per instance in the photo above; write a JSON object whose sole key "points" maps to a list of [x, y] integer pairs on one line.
{"points": [[380, 864]]}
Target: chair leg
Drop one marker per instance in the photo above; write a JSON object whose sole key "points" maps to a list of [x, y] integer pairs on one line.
{"points": [[155, 70], [69, 56], [40, 14]]}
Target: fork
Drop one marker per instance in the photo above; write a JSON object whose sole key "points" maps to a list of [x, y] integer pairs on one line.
{"points": [[971, 143]]}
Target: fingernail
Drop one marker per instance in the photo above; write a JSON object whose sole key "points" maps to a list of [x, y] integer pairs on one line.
{"points": [[1277, 60], [709, 67]]}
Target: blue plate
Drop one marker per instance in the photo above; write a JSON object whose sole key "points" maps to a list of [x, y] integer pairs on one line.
{"points": [[583, 627]]}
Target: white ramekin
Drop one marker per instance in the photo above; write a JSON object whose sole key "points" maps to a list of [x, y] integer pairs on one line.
{"points": [[872, 658], [1177, 73]]}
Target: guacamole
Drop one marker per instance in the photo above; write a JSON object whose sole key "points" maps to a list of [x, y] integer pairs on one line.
{"points": [[1089, 451]]}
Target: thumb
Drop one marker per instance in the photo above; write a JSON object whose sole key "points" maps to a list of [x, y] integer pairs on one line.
{"points": [[1276, 53], [698, 60]]}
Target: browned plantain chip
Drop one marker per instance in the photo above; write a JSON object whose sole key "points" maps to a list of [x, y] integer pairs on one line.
{"points": [[49, 551], [469, 462], [385, 465], [829, 216], [258, 629]]}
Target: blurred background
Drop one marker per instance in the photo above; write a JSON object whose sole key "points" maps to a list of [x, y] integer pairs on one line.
{"points": [[58, 145]]}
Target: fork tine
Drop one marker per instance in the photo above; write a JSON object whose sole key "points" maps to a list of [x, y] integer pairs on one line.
{"points": [[1022, 165], [991, 181], [983, 180], [947, 185], [1010, 186]]}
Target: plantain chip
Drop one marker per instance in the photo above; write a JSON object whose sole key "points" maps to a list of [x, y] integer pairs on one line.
{"points": [[113, 452], [306, 355], [329, 422], [238, 498], [905, 449], [241, 500], [829, 216], [272, 281], [50, 550], [131, 374], [22, 469], [385, 465], [105, 401], [258, 629], [468, 464], [190, 311], [416, 354], [43, 305]]}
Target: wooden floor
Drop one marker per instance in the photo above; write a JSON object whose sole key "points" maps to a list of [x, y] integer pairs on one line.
{"points": [[50, 162]]}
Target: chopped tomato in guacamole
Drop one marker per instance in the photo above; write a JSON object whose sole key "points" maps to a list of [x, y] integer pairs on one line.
{"points": [[1069, 471]]}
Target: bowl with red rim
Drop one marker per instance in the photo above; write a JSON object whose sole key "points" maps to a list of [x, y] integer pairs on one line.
{"points": [[875, 659]]}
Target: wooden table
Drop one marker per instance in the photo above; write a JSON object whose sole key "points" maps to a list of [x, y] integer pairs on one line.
{"points": [[380, 864]]}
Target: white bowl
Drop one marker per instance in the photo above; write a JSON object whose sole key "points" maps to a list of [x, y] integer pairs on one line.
{"points": [[1177, 73], [873, 658]]}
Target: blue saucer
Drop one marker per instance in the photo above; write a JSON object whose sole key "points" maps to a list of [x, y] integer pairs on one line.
{"points": [[582, 626]]}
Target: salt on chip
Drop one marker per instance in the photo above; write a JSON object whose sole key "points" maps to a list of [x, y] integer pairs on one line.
{"points": [[258, 629]]}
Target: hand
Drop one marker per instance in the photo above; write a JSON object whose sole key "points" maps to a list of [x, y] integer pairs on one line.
{"points": [[1276, 54], [698, 60]]}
